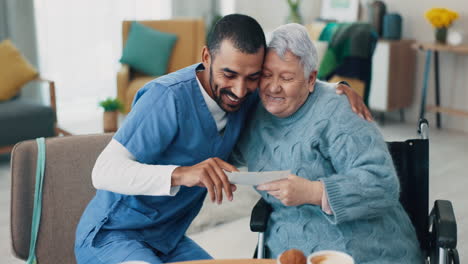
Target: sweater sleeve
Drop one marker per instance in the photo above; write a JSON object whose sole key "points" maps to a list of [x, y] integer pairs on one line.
{"points": [[365, 183]]}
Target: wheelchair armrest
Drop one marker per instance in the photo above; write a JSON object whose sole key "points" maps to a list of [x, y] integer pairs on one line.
{"points": [[260, 214], [444, 225]]}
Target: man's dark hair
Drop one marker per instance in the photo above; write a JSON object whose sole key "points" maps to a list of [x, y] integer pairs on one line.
{"points": [[243, 31]]}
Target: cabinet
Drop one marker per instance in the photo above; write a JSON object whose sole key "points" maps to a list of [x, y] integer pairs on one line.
{"points": [[393, 75]]}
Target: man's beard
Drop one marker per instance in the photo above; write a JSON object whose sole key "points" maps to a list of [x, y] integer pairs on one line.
{"points": [[213, 88], [218, 97]]}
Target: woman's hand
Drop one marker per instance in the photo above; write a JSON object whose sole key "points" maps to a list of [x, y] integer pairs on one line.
{"points": [[357, 104], [295, 191]]}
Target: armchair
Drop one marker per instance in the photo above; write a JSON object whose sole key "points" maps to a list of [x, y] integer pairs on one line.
{"points": [[67, 189], [187, 51]]}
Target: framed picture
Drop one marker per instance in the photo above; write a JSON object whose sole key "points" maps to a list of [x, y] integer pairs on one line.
{"points": [[340, 10]]}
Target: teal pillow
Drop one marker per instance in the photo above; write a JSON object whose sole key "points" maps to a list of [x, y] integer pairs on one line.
{"points": [[148, 50]]}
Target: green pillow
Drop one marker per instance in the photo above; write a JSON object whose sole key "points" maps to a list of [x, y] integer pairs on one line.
{"points": [[148, 50]]}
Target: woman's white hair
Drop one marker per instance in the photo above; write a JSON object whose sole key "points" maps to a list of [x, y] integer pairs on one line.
{"points": [[294, 38]]}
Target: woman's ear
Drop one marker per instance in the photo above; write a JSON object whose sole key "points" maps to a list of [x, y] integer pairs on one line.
{"points": [[311, 82], [206, 57]]}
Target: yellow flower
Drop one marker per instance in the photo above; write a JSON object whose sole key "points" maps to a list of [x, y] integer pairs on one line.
{"points": [[440, 17], [445, 19]]}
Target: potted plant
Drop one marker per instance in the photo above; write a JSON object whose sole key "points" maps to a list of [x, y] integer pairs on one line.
{"points": [[441, 19], [111, 108]]}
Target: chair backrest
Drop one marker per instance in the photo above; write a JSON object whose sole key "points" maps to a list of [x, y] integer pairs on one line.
{"points": [[411, 160], [190, 39], [67, 189]]}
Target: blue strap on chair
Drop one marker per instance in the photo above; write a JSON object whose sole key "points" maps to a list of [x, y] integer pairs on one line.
{"points": [[36, 218]]}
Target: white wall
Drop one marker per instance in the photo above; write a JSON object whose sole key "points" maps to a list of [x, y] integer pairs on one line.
{"points": [[273, 13], [453, 68]]}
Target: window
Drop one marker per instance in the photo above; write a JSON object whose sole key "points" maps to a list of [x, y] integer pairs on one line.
{"points": [[80, 43]]}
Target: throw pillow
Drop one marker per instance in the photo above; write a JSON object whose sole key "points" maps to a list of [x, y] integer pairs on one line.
{"points": [[148, 50], [15, 70]]}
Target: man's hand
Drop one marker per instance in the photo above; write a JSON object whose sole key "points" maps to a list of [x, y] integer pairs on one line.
{"points": [[357, 104], [294, 191], [209, 174]]}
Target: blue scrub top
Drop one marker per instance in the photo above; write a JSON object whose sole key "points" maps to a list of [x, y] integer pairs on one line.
{"points": [[169, 124]]}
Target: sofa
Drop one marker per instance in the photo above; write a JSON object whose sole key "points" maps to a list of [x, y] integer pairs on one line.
{"points": [[22, 119], [187, 51]]}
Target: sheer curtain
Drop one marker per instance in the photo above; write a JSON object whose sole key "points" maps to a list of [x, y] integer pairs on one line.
{"points": [[80, 43], [3, 20]]}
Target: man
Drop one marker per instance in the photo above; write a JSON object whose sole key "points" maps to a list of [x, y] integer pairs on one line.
{"points": [[153, 176]]}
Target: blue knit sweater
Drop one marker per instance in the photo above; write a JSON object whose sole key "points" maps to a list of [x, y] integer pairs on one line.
{"points": [[324, 140]]}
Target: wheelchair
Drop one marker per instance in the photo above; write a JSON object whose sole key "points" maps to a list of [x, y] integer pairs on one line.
{"points": [[436, 231]]}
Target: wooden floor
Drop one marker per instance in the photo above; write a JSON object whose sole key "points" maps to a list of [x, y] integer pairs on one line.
{"points": [[448, 180]]}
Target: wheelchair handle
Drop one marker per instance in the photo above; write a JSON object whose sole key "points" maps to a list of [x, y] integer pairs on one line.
{"points": [[423, 128]]}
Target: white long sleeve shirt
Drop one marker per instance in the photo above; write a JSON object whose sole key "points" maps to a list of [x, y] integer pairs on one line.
{"points": [[117, 170]]}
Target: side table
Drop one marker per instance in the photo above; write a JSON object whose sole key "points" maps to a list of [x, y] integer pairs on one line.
{"points": [[429, 49]]}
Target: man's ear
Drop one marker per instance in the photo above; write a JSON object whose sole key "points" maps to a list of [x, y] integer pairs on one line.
{"points": [[311, 81], [206, 57]]}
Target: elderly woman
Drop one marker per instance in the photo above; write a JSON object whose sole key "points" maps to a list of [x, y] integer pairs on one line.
{"points": [[342, 193]]}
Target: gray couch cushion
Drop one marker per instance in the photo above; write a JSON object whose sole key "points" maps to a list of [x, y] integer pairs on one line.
{"points": [[21, 120]]}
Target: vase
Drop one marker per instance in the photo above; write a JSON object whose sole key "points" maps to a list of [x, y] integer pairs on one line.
{"points": [[377, 11], [441, 35], [294, 16], [392, 26], [110, 121]]}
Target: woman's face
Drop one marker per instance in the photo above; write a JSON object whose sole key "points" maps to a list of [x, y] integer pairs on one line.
{"points": [[283, 87]]}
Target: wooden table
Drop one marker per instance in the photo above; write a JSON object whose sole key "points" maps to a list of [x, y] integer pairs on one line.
{"points": [[231, 261], [433, 48]]}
